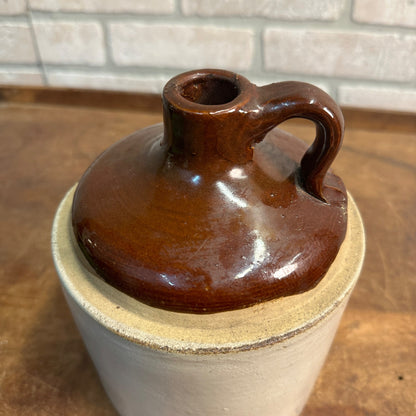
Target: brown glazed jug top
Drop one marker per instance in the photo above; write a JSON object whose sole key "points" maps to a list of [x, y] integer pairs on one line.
{"points": [[216, 210]]}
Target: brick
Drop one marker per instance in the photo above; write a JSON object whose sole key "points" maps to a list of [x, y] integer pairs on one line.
{"points": [[20, 77], [379, 98], [16, 43], [341, 54], [105, 81], [385, 12], [105, 6], [65, 42], [262, 81], [180, 46], [10, 7], [274, 9]]}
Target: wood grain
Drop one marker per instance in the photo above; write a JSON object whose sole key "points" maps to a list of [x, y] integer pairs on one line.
{"points": [[44, 368]]}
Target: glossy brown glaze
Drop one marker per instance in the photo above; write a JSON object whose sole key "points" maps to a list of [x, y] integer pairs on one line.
{"points": [[208, 213]]}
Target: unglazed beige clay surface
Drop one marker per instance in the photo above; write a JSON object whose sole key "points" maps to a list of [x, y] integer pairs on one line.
{"points": [[274, 380], [259, 360]]}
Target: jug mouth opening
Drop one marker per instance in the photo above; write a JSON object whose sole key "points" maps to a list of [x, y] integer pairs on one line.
{"points": [[207, 90], [210, 90]]}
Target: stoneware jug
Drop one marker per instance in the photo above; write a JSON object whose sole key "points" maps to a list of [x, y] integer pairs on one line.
{"points": [[207, 261]]}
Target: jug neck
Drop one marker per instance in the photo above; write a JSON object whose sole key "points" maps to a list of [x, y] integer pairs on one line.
{"points": [[204, 114]]}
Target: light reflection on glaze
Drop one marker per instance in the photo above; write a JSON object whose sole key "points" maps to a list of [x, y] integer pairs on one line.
{"points": [[196, 179], [328, 111], [260, 254], [237, 173], [287, 269], [229, 194], [167, 279]]}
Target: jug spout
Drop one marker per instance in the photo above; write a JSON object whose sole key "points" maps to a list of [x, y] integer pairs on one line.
{"points": [[204, 112]]}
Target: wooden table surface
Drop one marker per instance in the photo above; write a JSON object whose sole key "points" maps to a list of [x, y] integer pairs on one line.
{"points": [[49, 137]]}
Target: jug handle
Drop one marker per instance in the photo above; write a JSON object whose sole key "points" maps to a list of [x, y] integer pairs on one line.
{"points": [[284, 100]]}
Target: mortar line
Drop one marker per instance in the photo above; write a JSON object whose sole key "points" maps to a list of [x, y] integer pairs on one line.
{"points": [[40, 64]]}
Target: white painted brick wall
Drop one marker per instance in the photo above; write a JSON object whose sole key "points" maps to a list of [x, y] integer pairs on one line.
{"points": [[274, 9], [66, 42], [386, 12], [181, 46], [16, 44], [395, 99], [105, 6], [363, 52], [341, 54]]}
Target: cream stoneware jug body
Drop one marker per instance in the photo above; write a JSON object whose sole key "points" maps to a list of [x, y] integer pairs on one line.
{"points": [[207, 261]]}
